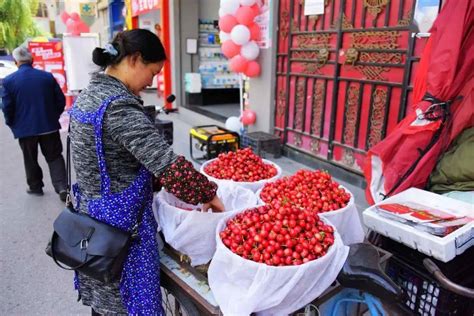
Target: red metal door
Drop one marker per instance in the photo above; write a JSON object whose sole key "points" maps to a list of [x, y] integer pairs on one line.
{"points": [[343, 77]]}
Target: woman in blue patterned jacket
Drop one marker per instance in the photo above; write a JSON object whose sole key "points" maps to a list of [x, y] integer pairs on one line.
{"points": [[116, 150]]}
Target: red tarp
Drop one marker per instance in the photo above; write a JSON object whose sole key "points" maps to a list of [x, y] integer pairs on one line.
{"points": [[409, 154], [420, 83]]}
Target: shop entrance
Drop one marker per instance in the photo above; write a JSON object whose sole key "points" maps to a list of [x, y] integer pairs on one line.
{"points": [[343, 77]]}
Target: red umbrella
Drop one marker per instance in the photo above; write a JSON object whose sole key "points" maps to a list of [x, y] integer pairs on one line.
{"points": [[409, 154]]}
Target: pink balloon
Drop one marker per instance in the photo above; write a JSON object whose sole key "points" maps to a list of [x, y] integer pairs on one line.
{"points": [[83, 27], [245, 15], [256, 9], [227, 23], [230, 49], [75, 29], [253, 69], [238, 64], [70, 25], [248, 117], [64, 17], [75, 16], [254, 32], [69, 22]]}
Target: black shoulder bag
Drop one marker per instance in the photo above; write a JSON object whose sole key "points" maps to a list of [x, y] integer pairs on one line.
{"points": [[82, 243]]}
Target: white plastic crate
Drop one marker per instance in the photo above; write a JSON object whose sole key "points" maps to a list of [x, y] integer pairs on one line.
{"points": [[441, 248]]}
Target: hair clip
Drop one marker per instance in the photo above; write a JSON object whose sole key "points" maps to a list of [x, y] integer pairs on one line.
{"points": [[110, 49]]}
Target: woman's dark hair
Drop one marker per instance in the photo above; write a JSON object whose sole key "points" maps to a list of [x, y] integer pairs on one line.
{"points": [[126, 43]]}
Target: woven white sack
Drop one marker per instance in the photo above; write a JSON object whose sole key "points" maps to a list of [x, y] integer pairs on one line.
{"points": [[242, 287], [192, 232], [346, 220], [253, 186]]}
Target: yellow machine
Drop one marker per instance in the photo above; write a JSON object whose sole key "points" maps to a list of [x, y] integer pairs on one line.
{"points": [[212, 140]]}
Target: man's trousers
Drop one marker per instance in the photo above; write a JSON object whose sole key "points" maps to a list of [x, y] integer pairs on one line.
{"points": [[51, 148]]}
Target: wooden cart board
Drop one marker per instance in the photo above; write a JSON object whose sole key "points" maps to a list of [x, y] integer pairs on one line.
{"points": [[193, 283]]}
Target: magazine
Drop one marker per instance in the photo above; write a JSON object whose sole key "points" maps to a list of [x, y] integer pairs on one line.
{"points": [[424, 218]]}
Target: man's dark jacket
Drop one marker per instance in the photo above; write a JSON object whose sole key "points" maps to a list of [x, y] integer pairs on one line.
{"points": [[32, 102]]}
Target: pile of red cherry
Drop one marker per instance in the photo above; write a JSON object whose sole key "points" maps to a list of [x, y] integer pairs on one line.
{"points": [[312, 191], [281, 236], [241, 166]]}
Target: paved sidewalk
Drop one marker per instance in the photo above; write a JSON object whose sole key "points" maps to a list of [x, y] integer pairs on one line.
{"points": [[30, 284]]}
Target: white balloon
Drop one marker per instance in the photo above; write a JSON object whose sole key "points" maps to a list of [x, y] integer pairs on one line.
{"points": [[221, 12], [248, 2], [230, 6], [233, 124], [224, 36], [250, 50], [240, 34]]}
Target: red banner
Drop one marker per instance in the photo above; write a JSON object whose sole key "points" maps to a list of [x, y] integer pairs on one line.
{"points": [[143, 6], [48, 56]]}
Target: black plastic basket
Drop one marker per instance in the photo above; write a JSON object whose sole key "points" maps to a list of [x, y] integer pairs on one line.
{"points": [[262, 143], [423, 295]]}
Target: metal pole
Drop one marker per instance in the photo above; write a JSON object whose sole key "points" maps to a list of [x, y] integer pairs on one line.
{"points": [[241, 89]]}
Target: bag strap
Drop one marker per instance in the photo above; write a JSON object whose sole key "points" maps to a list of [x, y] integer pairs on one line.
{"points": [[105, 182], [53, 255], [95, 119], [68, 169], [98, 128], [104, 176]]}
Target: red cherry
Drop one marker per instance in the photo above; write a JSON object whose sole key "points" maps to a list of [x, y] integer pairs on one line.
{"points": [[259, 234], [240, 166]]}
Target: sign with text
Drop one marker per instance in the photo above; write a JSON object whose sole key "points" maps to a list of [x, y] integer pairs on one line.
{"points": [[48, 56], [313, 7], [143, 6], [264, 21]]}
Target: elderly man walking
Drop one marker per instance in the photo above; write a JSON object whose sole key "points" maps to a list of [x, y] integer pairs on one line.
{"points": [[32, 105]]}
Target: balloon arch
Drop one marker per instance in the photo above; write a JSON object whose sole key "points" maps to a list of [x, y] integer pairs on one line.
{"points": [[239, 35]]}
